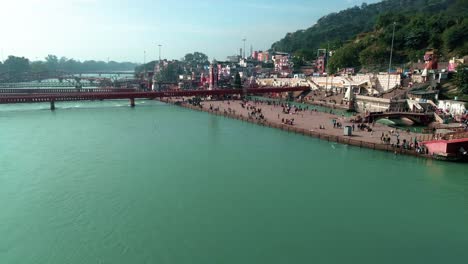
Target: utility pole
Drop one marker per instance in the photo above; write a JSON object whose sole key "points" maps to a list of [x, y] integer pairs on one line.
{"points": [[391, 55], [244, 39], [144, 63], [326, 64]]}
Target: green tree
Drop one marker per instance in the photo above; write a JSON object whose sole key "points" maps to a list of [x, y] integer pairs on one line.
{"points": [[196, 59], [461, 79], [170, 73], [268, 65], [145, 67], [456, 36], [298, 62], [421, 24], [417, 33], [52, 62], [17, 65], [373, 55], [306, 54], [38, 66], [237, 81], [347, 56]]}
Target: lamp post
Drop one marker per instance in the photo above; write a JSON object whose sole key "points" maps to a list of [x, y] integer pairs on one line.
{"points": [[159, 46], [391, 55], [244, 39]]}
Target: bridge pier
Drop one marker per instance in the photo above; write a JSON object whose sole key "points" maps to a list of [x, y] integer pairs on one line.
{"points": [[132, 102], [52, 105]]}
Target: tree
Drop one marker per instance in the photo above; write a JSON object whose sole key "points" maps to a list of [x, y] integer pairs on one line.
{"points": [[170, 73], [38, 66], [306, 54], [461, 78], [373, 55], [17, 65], [456, 35], [145, 67], [421, 24], [70, 65], [237, 81], [347, 56], [298, 62], [52, 62], [196, 59], [417, 33]]}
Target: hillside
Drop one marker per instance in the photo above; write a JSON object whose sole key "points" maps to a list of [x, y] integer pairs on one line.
{"points": [[361, 36]]}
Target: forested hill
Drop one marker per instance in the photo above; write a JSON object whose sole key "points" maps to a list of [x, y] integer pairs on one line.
{"points": [[421, 24]]}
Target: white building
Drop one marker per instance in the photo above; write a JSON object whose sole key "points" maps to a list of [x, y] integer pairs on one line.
{"points": [[452, 107]]}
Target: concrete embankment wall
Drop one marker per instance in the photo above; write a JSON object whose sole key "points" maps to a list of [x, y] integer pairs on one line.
{"points": [[372, 104], [320, 135]]}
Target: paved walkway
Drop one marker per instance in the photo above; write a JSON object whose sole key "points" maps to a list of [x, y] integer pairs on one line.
{"points": [[312, 121]]}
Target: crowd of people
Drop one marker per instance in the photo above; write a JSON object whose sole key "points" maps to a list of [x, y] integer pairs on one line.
{"points": [[289, 114], [288, 121], [255, 112], [215, 109], [337, 124]]}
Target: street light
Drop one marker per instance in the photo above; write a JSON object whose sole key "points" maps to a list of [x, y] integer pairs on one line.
{"points": [[159, 46], [391, 55], [244, 39]]}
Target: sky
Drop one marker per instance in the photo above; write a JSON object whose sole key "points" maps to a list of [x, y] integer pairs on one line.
{"points": [[123, 30]]}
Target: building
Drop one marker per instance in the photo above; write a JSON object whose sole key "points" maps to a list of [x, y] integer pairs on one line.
{"points": [[255, 55], [214, 75], [283, 64], [263, 56], [453, 107], [233, 59], [320, 64], [430, 60]]}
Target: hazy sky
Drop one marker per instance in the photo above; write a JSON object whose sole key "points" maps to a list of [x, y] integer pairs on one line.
{"points": [[123, 29]]}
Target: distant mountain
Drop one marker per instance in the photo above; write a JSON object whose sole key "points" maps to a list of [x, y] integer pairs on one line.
{"points": [[362, 35]]}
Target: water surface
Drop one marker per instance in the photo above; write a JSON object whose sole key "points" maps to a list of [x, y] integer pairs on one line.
{"points": [[99, 182]]}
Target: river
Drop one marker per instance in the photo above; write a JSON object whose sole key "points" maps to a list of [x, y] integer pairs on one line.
{"points": [[100, 182]]}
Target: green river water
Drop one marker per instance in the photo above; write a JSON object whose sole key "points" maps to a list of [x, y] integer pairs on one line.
{"points": [[99, 182]]}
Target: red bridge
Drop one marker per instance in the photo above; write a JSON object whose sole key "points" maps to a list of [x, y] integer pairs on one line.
{"points": [[85, 96], [16, 91]]}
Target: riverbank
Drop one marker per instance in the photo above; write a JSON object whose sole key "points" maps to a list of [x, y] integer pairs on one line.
{"points": [[314, 124]]}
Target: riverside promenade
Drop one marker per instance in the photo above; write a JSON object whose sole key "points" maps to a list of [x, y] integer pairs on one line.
{"points": [[312, 123]]}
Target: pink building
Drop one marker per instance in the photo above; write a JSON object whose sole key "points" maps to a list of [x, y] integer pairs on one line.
{"points": [[214, 76], [255, 55], [430, 59], [448, 149], [263, 56], [320, 64]]}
